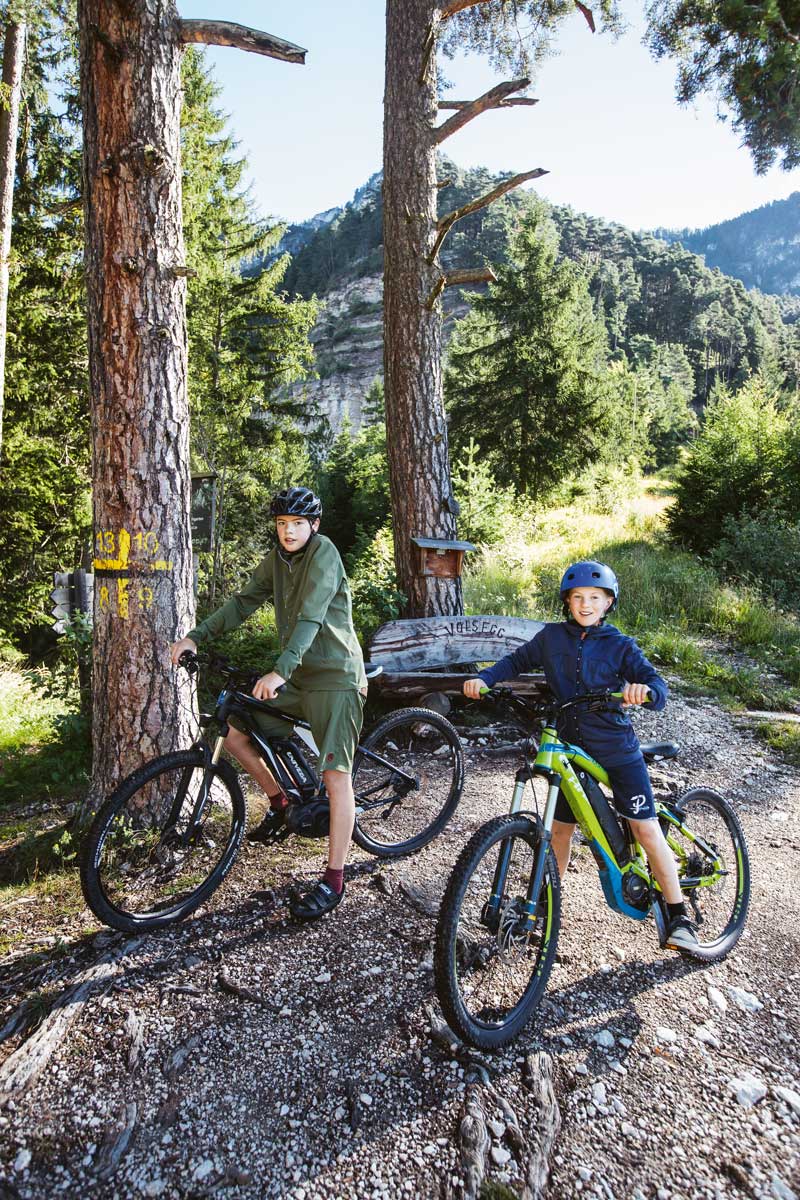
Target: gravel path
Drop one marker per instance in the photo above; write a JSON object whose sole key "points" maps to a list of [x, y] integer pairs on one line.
{"points": [[243, 1054]]}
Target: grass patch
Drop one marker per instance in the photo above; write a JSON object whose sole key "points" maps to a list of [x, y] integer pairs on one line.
{"points": [[44, 743], [671, 602], [783, 737]]}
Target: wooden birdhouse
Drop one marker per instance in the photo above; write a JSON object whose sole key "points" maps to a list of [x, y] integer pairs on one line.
{"points": [[440, 557]]}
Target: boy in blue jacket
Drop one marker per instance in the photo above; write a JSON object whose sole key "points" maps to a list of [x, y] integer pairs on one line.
{"points": [[582, 654]]}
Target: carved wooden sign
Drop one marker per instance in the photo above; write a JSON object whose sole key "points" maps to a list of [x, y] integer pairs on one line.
{"points": [[429, 642]]}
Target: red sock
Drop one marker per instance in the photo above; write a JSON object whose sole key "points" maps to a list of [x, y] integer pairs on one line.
{"points": [[334, 879], [278, 802]]}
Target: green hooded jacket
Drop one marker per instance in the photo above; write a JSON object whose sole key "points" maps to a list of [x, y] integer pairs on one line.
{"points": [[313, 612]]}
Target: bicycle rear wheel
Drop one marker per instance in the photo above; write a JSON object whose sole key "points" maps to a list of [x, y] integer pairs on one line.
{"points": [[714, 869], [408, 777], [162, 842], [495, 942]]}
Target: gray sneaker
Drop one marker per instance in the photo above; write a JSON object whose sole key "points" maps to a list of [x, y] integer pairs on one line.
{"points": [[680, 935]]}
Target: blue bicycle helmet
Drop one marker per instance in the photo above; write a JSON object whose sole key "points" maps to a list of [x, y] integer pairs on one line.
{"points": [[590, 574]]}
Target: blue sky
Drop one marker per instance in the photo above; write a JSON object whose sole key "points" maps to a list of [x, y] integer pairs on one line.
{"points": [[607, 126]]}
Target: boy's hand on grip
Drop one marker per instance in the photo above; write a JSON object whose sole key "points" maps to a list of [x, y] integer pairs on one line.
{"points": [[267, 687], [473, 688], [178, 648], [634, 693]]}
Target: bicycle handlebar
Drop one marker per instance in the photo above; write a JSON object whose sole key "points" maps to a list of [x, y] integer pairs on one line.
{"points": [[600, 699], [241, 679]]}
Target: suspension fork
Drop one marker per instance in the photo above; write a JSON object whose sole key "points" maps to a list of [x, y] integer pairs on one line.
{"points": [[491, 910], [537, 874], [202, 796]]}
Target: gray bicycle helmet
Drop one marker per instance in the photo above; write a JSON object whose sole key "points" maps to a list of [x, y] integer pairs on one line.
{"points": [[296, 502], [590, 574]]}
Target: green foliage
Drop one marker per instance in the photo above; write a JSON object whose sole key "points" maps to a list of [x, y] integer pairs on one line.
{"points": [[648, 420], [373, 585], [44, 503], [701, 327], [783, 737], [748, 56], [354, 482], [255, 643], [246, 342], [763, 551], [742, 462], [745, 248], [44, 743], [488, 512], [524, 373], [517, 36]]}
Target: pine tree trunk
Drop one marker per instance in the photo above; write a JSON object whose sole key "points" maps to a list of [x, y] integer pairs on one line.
{"points": [[416, 432], [130, 89], [13, 63]]}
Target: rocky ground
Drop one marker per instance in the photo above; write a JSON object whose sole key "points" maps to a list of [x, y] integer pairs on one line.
{"points": [[244, 1054]]}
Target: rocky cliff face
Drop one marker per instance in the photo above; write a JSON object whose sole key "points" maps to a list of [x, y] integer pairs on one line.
{"points": [[348, 343]]}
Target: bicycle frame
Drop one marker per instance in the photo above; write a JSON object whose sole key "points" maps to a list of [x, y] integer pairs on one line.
{"points": [[285, 760], [559, 762]]}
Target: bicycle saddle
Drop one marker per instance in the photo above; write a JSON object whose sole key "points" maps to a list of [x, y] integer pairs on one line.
{"points": [[652, 751]]}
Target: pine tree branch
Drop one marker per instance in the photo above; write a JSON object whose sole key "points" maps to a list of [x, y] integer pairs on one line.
{"points": [[473, 108], [229, 33], [446, 223]]}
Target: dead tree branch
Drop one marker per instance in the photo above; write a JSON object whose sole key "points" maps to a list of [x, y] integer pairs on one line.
{"points": [[510, 103], [242, 37], [459, 279], [25, 1064], [469, 275], [446, 223], [457, 6], [467, 112]]}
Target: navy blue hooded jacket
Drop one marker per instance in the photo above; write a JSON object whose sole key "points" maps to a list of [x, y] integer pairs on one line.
{"points": [[576, 661]]}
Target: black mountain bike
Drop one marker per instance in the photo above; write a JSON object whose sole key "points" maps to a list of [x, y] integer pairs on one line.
{"points": [[168, 835]]}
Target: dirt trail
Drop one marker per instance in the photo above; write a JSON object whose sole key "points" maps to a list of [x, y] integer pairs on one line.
{"points": [[324, 1081]]}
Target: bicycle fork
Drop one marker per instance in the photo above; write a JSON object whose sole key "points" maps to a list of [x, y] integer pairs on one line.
{"points": [[199, 806], [491, 913]]}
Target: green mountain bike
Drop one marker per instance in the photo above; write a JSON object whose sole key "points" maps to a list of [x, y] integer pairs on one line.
{"points": [[499, 920]]}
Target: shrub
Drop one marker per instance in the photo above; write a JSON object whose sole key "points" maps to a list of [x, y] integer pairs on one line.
{"points": [[762, 550], [735, 466], [374, 586], [487, 510]]}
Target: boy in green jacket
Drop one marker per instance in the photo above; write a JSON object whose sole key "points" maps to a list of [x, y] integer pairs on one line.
{"points": [[320, 664]]}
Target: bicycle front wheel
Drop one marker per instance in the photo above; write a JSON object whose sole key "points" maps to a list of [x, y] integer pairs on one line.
{"points": [[495, 941], [162, 842], [408, 777], [714, 869]]}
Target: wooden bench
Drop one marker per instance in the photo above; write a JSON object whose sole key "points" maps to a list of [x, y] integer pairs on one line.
{"points": [[432, 656]]}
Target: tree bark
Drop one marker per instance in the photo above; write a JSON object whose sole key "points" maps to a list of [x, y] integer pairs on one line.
{"points": [[136, 297], [416, 431], [13, 63]]}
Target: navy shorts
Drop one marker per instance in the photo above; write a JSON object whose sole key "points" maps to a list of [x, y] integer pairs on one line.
{"points": [[633, 795]]}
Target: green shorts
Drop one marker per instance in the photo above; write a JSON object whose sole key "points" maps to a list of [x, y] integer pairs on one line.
{"points": [[335, 719]]}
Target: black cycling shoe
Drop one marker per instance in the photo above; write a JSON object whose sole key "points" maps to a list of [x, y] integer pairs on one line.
{"points": [[321, 899], [273, 823]]}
